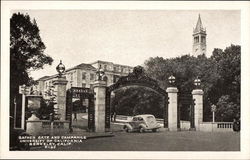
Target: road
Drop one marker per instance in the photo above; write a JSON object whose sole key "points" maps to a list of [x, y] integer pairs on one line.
{"points": [[161, 141]]}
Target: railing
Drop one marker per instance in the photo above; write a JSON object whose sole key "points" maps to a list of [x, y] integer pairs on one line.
{"points": [[224, 124], [53, 124], [185, 125], [43, 127]]}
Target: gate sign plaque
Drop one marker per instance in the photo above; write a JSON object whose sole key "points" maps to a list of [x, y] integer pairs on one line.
{"points": [[78, 91], [24, 89]]}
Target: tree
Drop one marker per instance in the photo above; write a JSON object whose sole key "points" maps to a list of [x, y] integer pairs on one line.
{"points": [[227, 88], [134, 100], [185, 68], [219, 74], [26, 53]]}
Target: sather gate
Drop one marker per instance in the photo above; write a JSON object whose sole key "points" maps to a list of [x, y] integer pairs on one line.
{"points": [[139, 78], [81, 93]]}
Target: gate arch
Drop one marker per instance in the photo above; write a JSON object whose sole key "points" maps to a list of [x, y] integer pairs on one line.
{"points": [[140, 78]]}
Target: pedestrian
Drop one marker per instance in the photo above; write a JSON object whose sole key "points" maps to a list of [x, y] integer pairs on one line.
{"points": [[75, 116], [114, 116], [236, 125]]}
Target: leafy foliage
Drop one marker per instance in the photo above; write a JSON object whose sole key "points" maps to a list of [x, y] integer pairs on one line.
{"points": [[220, 81], [136, 100], [26, 52], [46, 109], [219, 74]]}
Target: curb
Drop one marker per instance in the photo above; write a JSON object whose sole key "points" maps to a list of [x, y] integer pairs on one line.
{"points": [[100, 136]]}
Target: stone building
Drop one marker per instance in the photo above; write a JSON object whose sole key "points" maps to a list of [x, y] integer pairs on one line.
{"points": [[199, 39], [83, 75]]}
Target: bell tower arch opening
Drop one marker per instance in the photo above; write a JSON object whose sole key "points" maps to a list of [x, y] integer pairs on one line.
{"points": [[199, 39]]}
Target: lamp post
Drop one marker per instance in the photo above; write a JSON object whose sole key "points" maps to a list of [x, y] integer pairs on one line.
{"points": [[59, 93], [60, 69], [171, 120], [171, 80], [100, 118], [213, 110], [197, 107]]}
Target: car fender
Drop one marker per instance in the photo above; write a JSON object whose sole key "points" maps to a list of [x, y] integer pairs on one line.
{"points": [[128, 126], [143, 126]]}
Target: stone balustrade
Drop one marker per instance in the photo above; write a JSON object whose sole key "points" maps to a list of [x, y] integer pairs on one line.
{"points": [[47, 127]]}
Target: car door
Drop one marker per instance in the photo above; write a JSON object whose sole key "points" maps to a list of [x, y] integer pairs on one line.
{"points": [[141, 121], [134, 123]]}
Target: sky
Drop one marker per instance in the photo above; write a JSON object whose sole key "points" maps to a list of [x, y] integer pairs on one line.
{"points": [[128, 37]]}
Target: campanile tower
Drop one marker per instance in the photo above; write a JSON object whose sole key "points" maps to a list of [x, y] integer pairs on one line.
{"points": [[199, 39]]}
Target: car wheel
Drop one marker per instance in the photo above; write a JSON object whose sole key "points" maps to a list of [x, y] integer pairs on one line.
{"points": [[125, 128], [154, 130], [141, 130]]}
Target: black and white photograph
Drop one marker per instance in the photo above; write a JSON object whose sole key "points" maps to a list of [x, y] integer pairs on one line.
{"points": [[125, 80]]}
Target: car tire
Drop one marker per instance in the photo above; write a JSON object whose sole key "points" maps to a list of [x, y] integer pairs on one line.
{"points": [[154, 130], [141, 130], [125, 128]]}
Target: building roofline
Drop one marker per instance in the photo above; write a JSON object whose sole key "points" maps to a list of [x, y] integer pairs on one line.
{"points": [[100, 61], [80, 67]]}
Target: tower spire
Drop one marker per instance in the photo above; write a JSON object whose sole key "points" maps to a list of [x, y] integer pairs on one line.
{"points": [[199, 26], [199, 39]]}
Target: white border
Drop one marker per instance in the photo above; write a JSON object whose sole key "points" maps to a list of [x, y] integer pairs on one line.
{"points": [[7, 6]]}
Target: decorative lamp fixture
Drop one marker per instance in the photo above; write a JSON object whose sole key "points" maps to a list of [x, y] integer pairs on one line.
{"points": [[213, 108], [171, 80], [197, 82], [100, 74], [60, 68]]}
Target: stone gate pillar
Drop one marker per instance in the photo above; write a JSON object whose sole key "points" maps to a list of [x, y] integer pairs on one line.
{"points": [[60, 89], [100, 97], [172, 108], [198, 107]]}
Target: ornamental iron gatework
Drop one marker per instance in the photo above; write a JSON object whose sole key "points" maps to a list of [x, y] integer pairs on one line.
{"points": [[185, 102], [140, 78], [81, 93]]}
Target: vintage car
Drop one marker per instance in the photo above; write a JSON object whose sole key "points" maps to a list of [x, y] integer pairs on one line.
{"points": [[142, 123]]}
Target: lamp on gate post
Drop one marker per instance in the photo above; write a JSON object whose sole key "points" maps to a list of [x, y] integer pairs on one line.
{"points": [[60, 69], [197, 83], [171, 80], [100, 74]]}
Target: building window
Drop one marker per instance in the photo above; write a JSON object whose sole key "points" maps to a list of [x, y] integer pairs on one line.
{"points": [[203, 40], [121, 69], [105, 67], [196, 39], [84, 85], [71, 76], [92, 76], [83, 75]]}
